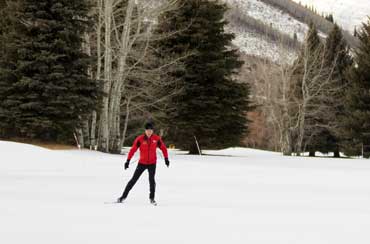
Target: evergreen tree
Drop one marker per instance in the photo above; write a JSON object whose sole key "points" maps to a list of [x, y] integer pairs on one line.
{"points": [[357, 119], [2, 4], [7, 62], [50, 93], [212, 105], [337, 60], [330, 18]]}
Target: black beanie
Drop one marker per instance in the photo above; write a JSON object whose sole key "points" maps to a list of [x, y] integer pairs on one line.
{"points": [[149, 126]]}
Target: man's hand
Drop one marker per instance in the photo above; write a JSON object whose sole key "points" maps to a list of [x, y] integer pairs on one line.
{"points": [[127, 164], [167, 162]]}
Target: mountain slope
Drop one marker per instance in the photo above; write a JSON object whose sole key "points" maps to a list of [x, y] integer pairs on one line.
{"points": [[347, 13], [257, 42], [273, 29]]}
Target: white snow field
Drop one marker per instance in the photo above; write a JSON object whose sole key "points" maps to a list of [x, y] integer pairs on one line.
{"points": [[245, 196]]}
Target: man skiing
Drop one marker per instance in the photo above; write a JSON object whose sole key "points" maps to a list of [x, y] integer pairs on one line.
{"points": [[148, 143]]}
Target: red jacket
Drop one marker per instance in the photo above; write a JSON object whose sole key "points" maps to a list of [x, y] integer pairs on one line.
{"points": [[148, 148]]}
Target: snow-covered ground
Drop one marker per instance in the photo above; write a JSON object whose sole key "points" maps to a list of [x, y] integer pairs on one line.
{"points": [[239, 196], [348, 13]]}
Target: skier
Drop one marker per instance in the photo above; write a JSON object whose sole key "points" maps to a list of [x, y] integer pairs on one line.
{"points": [[148, 143]]}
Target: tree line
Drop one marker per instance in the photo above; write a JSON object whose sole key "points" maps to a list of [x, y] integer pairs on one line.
{"points": [[318, 103], [95, 70]]}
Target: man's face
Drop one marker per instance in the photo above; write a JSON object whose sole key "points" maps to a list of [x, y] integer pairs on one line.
{"points": [[148, 132]]}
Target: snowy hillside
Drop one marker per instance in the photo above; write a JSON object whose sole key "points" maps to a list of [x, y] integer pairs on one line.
{"points": [[284, 18], [258, 45], [255, 45], [271, 16], [241, 196], [347, 13]]}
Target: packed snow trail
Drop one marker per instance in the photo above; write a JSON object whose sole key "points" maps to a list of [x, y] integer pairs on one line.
{"points": [[246, 196]]}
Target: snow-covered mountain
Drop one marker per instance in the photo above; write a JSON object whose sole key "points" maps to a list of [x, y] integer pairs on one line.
{"points": [[258, 44], [270, 16], [261, 25], [347, 13]]}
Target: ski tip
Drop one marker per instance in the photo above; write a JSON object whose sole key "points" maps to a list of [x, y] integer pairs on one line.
{"points": [[115, 202]]}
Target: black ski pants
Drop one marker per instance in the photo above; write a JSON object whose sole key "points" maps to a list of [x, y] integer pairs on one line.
{"points": [[139, 170]]}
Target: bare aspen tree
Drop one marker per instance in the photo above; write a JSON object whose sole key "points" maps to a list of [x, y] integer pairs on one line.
{"points": [[85, 124], [141, 98], [285, 119], [270, 84], [127, 40], [83, 132], [107, 77], [99, 24], [295, 108], [122, 25], [317, 88]]}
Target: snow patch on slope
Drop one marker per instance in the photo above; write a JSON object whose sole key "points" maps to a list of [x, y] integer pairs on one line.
{"points": [[347, 13], [274, 17], [257, 45]]}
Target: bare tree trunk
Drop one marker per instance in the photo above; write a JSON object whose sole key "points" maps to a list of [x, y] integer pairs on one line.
{"points": [[123, 137], [286, 136], [116, 93], [94, 143], [194, 148], [104, 115], [121, 38], [287, 144], [336, 153], [80, 138], [301, 130], [85, 126], [85, 133], [93, 131], [115, 138]]}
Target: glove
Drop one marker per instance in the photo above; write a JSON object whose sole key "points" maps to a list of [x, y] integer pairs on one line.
{"points": [[127, 163], [167, 162]]}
